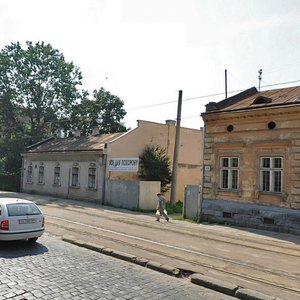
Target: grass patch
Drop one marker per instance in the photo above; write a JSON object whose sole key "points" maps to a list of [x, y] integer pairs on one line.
{"points": [[174, 209], [181, 218], [171, 209]]}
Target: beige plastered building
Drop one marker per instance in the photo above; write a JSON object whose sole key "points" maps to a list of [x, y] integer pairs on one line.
{"points": [[78, 167], [132, 144], [252, 157]]}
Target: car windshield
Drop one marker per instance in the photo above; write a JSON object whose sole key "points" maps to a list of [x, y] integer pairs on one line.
{"points": [[22, 209]]}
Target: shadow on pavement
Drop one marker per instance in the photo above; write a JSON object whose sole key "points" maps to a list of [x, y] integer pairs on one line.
{"points": [[293, 238], [13, 249]]}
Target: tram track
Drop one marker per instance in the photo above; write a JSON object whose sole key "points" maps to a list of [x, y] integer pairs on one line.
{"points": [[262, 245], [159, 249]]}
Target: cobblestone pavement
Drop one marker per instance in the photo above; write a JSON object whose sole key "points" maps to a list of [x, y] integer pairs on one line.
{"points": [[53, 269]]}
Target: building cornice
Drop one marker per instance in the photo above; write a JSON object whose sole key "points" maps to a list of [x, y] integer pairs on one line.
{"points": [[253, 113]]}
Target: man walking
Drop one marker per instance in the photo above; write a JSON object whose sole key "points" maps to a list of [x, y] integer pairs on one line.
{"points": [[161, 207]]}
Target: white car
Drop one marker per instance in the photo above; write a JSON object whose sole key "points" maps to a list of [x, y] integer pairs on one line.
{"points": [[20, 219]]}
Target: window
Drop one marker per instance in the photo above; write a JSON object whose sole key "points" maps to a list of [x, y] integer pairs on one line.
{"points": [[262, 100], [229, 177], [75, 176], [41, 174], [22, 209], [271, 171], [29, 176], [92, 178], [56, 175]]}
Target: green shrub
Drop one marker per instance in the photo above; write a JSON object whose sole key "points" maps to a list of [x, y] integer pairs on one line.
{"points": [[175, 209]]}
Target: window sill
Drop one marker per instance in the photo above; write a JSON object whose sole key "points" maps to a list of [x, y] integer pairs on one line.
{"points": [[229, 190], [29, 182], [56, 185], [41, 183], [91, 189], [272, 193], [74, 187]]}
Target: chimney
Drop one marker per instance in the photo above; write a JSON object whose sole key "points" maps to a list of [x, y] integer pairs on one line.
{"points": [[95, 130], [77, 133], [171, 122]]}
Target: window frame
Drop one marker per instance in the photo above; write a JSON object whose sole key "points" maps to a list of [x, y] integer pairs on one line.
{"points": [[268, 175], [92, 177], [29, 178], [57, 178], [41, 177], [232, 182], [75, 175]]}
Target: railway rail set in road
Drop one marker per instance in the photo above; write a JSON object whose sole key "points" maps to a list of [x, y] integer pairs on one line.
{"points": [[249, 259]]}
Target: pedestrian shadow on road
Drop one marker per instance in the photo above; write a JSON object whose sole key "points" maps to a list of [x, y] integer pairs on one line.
{"points": [[13, 249]]}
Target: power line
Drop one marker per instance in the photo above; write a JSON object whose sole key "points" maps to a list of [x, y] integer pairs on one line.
{"points": [[207, 96], [186, 99]]}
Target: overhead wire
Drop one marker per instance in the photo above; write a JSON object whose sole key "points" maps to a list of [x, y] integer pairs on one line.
{"points": [[207, 96], [193, 98]]}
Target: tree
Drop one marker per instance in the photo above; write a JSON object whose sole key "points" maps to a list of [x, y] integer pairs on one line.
{"points": [[105, 111], [39, 86], [155, 166]]}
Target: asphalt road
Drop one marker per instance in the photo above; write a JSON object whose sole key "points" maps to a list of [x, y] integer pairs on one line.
{"points": [[53, 269]]}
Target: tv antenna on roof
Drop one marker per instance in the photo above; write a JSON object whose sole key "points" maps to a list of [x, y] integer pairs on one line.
{"points": [[259, 79]]}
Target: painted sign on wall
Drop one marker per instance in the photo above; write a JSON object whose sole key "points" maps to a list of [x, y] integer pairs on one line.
{"points": [[123, 164]]}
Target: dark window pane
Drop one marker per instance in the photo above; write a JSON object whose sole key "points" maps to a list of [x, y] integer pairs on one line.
{"points": [[266, 162], [92, 178], [277, 181], [225, 162], [277, 162], [225, 179], [234, 178], [266, 181], [235, 162]]}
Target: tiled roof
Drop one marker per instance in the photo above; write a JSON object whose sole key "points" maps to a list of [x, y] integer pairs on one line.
{"points": [[82, 143], [251, 98]]}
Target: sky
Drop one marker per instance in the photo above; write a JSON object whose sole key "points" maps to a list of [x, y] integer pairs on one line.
{"points": [[145, 51]]}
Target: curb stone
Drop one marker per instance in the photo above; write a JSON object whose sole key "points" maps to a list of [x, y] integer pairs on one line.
{"points": [[80, 243], [107, 251], [247, 294], [141, 261], [214, 284], [94, 247], [163, 268], [199, 279], [68, 238], [124, 256]]}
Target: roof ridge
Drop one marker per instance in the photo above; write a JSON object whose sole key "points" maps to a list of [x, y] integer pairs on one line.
{"points": [[211, 106]]}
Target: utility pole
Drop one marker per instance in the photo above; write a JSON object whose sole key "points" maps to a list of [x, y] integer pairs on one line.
{"points": [[259, 79], [225, 83], [176, 151]]}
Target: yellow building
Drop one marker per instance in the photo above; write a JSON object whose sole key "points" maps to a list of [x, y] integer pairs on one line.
{"points": [[133, 143], [252, 158]]}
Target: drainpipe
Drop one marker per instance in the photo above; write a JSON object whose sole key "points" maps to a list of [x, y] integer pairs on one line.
{"points": [[104, 164], [69, 177], [105, 177], [200, 196], [22, 176]]}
